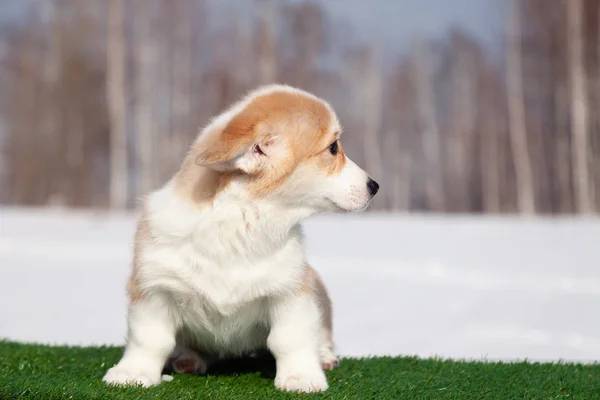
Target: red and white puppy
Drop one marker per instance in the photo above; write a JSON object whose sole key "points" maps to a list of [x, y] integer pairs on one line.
{"points": [[219, 267]]}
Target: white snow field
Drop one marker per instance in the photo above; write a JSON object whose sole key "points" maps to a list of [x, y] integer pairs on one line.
{"points": [[455, 287]]}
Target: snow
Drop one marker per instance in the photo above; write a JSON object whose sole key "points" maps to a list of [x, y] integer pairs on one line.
{"points": [[460, 287]]}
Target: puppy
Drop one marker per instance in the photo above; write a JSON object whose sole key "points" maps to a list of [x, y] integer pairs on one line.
{"points": [[219, 267]]}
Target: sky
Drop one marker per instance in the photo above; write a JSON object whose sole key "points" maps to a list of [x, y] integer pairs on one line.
{"points": [[11, 10], [394, 22], [397, 22]]}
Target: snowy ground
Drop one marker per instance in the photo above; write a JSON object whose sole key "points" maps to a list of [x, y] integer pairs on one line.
{"points": [[460, 287]]}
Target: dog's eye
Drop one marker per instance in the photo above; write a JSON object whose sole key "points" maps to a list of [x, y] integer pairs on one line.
{"points": [[258, 150], [333, 148]]}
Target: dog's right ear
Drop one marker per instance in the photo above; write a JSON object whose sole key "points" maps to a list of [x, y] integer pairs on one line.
{"points": [[241, 145], [220, 150]]}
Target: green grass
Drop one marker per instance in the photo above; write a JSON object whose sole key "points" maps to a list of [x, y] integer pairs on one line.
{"points": [[30, 371]]}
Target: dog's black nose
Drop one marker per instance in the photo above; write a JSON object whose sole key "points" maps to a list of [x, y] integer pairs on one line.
{"points": [[373, 186]]}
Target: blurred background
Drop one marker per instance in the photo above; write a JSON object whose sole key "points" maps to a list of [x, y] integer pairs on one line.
{"points": [[470, 114], [466, 106]]}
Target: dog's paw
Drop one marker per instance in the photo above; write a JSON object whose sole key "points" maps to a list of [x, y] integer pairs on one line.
{"points": [[328, 360], [132, 374], [314, 381], [187, 361]]}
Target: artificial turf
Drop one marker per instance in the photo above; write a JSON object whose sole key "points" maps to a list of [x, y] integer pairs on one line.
{"points": [[29, 371]]}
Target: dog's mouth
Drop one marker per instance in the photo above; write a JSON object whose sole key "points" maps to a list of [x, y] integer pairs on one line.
{"points": [[365, 207], [338, 208]]}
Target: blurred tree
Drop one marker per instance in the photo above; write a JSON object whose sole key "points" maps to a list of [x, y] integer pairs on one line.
{"points": [[117, 103], [579, 108], [146, 89], [428, 125], [516, 113], [444, 127]]}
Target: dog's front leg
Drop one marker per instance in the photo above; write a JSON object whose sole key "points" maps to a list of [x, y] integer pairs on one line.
{"points": [[150, 340], [294, 342]]}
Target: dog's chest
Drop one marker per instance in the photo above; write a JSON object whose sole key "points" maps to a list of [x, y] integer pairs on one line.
{"points": [[221, 267], [227, 286], [242, 328], [225, 306]]}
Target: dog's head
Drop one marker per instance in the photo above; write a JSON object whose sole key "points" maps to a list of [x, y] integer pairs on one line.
{"points": [[283, 144]]}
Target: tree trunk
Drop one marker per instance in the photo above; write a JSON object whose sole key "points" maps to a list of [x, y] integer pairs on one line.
{"points": [[373, 111], [516, 114], [399, 194], [460, 146], [562, 151], [595, 157], [146, 60], [584, 197], [428, 127], [182, 77], [115, 73], [489, 157]]}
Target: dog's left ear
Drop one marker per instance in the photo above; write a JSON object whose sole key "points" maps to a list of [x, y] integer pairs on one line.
{"points": [[242, 145]]}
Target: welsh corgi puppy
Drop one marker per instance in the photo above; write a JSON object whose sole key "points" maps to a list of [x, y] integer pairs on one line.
{"points": [[219, 267]]}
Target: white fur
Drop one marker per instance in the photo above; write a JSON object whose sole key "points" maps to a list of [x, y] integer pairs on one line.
{"points": [[346, 191], [294, 341], [228, 274], [229, 286], [150, 339]]}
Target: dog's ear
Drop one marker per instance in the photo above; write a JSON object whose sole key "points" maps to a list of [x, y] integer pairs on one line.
{"points": [[243, 145]]}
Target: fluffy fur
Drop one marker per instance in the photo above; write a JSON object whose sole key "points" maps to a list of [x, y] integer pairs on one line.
{"points": [[219, 267]]}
